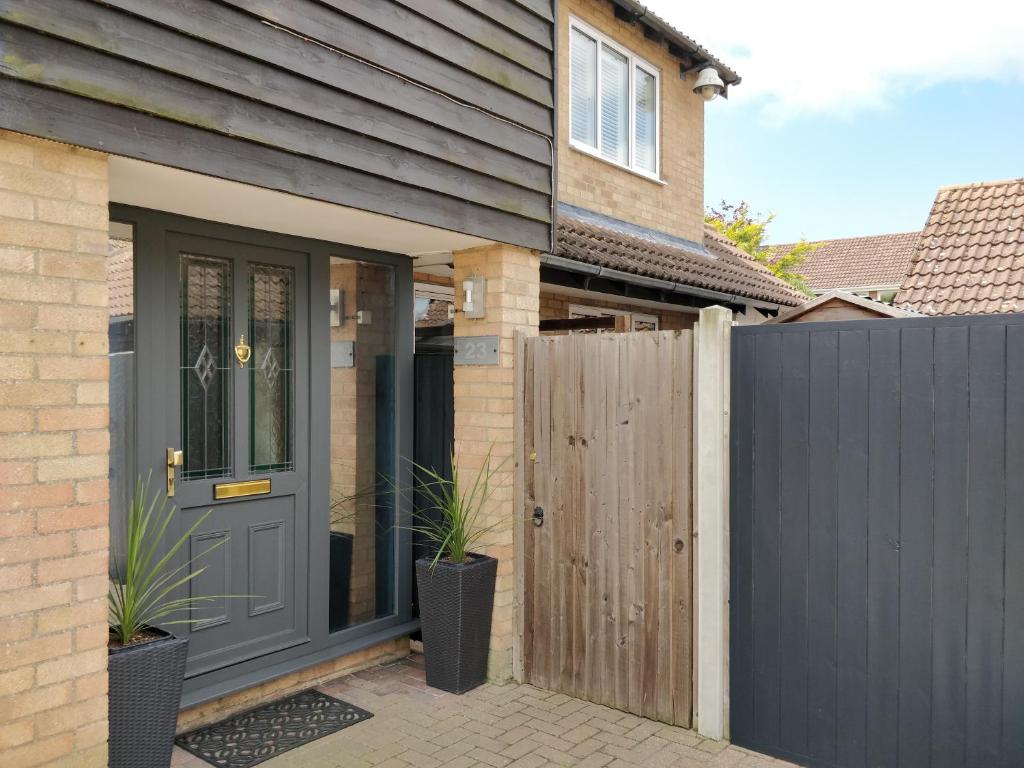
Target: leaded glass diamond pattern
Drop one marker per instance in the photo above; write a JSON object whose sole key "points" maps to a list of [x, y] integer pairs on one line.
{"points": [[205, 367], [271, 370]]}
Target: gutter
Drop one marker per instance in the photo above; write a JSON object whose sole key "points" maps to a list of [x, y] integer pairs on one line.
{"points": [[569, 265], [699, 56]]}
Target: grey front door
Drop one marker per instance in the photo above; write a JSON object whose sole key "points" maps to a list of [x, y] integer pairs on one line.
{"points": [[241, 426]]}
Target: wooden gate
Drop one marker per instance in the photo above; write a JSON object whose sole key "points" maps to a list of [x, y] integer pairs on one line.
{"points": [[607, 462]]}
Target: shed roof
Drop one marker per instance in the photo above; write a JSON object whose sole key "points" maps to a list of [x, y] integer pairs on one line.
{"points": [[875, 307]]}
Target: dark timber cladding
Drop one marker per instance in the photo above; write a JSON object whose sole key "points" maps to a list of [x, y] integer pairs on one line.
{"points": [[877, 590], [435, 111]]}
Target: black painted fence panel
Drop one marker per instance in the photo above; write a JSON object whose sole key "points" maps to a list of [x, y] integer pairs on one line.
{"points": [[433, 438], [877, 513]]}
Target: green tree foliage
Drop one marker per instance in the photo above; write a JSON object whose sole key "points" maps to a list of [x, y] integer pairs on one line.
{"points": [[747, 232]]}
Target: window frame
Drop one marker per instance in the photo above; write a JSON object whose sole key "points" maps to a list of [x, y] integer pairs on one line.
{"points": [[634, 62], [586, 310]]}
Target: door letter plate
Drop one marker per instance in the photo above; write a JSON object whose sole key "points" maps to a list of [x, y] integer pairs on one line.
{"points": [[244, 488]]}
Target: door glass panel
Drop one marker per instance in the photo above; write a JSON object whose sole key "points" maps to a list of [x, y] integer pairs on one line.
{"points": [[207, 352], [272, 367], [362, 421]]}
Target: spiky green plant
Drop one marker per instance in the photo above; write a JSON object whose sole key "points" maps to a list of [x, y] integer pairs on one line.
{"points": [[143, 586], [454, 531]]}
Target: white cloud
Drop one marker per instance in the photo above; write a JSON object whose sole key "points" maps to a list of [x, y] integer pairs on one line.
{"points": [[828, 57]]}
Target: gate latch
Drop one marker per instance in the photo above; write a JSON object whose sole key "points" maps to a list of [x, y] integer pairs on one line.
{"points": [[538, 516]]}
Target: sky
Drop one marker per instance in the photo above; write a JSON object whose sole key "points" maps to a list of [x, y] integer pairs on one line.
{"points": [[851, 115]]}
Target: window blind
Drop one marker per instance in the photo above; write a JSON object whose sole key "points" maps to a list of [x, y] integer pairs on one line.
{"points": [[583, 57], [614, 105], [646, 132]]}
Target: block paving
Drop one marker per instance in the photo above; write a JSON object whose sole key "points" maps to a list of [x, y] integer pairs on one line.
{"points": [[497, 725]]}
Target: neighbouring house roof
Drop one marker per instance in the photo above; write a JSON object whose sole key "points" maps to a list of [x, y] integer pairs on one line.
{"points": [[437, 314], [863, 308], [857, 262], [120, 282], [716, 265], [970, 258]]}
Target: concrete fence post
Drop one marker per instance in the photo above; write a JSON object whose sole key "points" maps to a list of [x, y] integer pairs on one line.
{"points": [[711, 521]]}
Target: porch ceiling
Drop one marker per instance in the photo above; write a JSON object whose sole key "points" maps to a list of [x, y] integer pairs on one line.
{"points": [[134, 182]]}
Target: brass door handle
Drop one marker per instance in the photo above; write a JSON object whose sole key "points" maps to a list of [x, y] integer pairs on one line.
{"points": [[174, 459]]}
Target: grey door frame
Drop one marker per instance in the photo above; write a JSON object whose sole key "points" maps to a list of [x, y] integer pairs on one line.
{"points": [[151, 229]]}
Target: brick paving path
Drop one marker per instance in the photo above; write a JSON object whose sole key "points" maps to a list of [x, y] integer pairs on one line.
{"points": [[501, 726]]}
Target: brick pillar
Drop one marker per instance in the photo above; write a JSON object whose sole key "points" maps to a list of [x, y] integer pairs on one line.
{"points": [[484, 400], [53, 454]]}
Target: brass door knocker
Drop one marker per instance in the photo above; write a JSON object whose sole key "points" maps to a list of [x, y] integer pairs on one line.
{"points": [[242, 351]]}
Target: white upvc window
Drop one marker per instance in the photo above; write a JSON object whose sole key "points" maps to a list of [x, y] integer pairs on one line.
{"points": [[614, 103], [640, 321]]}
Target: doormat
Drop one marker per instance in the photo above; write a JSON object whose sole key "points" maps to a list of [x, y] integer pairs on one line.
{"points": [[252, 737]]}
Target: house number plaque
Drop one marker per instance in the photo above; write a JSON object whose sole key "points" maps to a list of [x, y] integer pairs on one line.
{"points": [[476, 350]]}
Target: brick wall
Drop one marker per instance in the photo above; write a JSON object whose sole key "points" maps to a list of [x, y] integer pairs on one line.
{"points": [[677, 205], [555, 306], [53, 454], [484, 404]]}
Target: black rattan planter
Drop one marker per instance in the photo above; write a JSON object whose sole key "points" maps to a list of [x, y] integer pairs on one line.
{"points": [[145, 694], [455, 615]]}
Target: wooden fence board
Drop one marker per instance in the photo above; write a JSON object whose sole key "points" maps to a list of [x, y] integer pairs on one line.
{"points": [[851, 582], [795, 588], [766, 543], [949, 613], [821, 473], [680, 595], [987, 545], [741, 510], [916, 537], [1013, 644]]}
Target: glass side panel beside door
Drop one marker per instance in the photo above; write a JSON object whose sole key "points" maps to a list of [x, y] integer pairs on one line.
{"points": [[363, 528]]}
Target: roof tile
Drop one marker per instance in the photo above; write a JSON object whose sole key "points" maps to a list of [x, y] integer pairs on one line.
{"points": [[721, 266], [857, 262], [970, 258]]}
